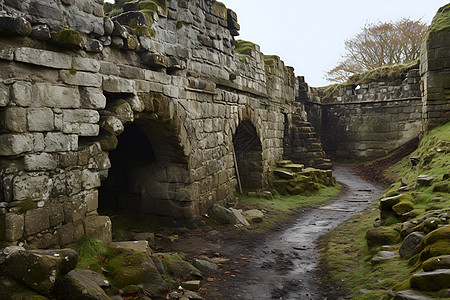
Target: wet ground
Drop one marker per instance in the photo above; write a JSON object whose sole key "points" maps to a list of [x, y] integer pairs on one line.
{"points": [[284, 264]]}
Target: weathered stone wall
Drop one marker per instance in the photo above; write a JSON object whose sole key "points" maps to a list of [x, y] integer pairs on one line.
{"points": [[370, 120], [435, 71], [70, 98]]}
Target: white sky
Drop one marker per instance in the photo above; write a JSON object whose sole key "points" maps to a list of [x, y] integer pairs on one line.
{"points": [[309, 35]]}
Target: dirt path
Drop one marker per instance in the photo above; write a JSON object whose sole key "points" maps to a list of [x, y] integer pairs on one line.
{"points": [[284, 264]]}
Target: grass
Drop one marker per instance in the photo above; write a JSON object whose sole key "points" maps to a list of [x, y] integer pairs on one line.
{"points": [[442, 20], [244, 47], [385, 73], [124, 222], [347, 258], [280, 208], [345, 253]]}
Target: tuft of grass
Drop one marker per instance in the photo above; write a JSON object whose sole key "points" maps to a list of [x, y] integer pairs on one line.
{"points": [[89, 247]]}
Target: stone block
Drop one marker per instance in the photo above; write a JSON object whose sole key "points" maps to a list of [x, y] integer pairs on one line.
{"points": [[49, 95], [41, 32], [122, 110], [14, 26], [90, 179], [21, 93], [7, 54], [65, 234], [14, 119], [31, 186], [40, 119], [14, 227], [56, 214], [36, 220], [112, 124], [155, 60], [118, 85], [44, 58], [80, 78], [74, 211], [60, 142], [81, 116], [67, 159], [86, 64], [91, 201], [4, 95], [98, 227], [78, 230], [92, 98], [73, 182], [15, 144], [40, 162]]}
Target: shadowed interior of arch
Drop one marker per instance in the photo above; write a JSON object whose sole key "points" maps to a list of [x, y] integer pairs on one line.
{"points": [[148, 172], [248, 149]]}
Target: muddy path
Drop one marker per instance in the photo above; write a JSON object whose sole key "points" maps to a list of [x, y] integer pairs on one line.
{"points": [[284, 264]]}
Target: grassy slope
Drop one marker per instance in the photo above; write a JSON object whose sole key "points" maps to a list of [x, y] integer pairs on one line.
{"points": [[346, 254]]}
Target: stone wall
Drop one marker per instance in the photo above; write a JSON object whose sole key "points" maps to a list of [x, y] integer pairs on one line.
{"points": [[97, 113], [369, 120], [435, 71]]}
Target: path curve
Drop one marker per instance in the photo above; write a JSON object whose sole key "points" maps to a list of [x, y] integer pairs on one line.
{"points": [[285, 265]]}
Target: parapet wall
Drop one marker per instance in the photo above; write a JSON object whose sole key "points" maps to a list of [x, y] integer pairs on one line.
{"points": [[370, 120]]}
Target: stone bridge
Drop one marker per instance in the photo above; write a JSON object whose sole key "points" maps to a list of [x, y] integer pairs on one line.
{"points": [[151, 111]]}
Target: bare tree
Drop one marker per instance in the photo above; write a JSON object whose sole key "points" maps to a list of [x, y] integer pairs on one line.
{"points": [[377, 45]]}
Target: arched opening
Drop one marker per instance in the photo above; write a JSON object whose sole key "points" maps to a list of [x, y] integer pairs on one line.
{"points": [[248, 149], [148, 172]]}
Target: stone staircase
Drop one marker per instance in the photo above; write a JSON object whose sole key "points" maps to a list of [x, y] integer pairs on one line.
{"points": [[302, 145]]}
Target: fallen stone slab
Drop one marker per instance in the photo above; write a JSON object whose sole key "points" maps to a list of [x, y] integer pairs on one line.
{"points": [[283, 174], [410, 295], [135, 245], [223, 215], [383, 256], [193, 285], [431, 281], [240, 217], [79, 284]]}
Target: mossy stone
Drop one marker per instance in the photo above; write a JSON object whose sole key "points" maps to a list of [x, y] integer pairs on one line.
{"points": [[178, 268], [403, 207], [438, 262], [26, 205], [437, 235], [439, 248], [382, 236], [179, 25], [388, 202], [69, 38], [431, 281]]}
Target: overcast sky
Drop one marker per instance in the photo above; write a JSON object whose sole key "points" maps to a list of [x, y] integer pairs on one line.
{"points": [[309, 35]]}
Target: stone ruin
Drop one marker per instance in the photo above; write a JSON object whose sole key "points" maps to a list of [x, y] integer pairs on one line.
{"points": [[148, 111], [144, 112]]}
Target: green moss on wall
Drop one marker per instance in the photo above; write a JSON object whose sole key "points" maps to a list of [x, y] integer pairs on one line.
{"points": [[68, 37], [244, 47], [442, 20]]}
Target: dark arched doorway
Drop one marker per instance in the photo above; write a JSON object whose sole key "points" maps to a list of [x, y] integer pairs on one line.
{"points": [[248, 149], [148, 172]]}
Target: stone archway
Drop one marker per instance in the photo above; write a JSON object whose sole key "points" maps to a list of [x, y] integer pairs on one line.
{"points": [[248, 149], [149, 170]]}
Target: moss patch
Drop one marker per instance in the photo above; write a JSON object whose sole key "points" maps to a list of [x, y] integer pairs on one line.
{"points": [[382, 236], [26, 205], [69, 38], [441, 20], [244, 47]]}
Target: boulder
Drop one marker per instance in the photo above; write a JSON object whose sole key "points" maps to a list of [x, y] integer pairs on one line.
{"points": [[383, 256], [388, 202], [183, 270], [253, 213], [36, 271], [382, 236], [82, 284], [205, 266], [410, 295], [403, 207], [68, 258], [223, 215], [410, 243], [438, 262], [193, 285], [432, 223], [431, 281]]}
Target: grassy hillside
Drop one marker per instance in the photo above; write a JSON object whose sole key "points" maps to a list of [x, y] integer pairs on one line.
{"points": [[418, 203]]}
